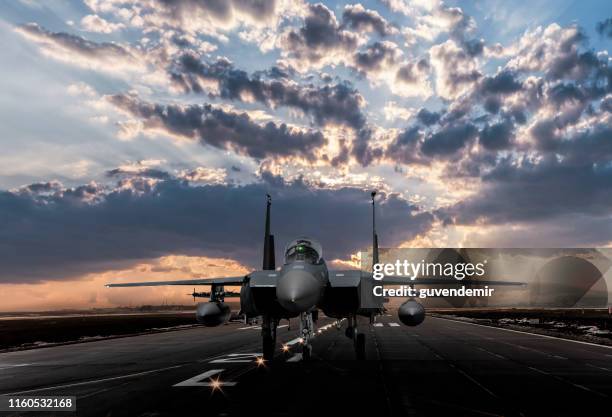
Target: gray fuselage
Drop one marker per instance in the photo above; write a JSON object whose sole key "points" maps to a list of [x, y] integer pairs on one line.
{"points": [[301, 285]]}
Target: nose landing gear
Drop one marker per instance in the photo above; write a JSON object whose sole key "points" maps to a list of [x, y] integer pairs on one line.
{"points": [[307, 333]]}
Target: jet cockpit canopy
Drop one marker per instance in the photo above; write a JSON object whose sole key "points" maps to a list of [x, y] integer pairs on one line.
{"points": [[304, 249]]}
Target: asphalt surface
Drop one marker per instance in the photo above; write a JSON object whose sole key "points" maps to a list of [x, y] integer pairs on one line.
{"points": [[441, 367]]}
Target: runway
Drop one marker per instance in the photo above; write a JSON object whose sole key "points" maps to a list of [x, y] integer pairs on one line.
{"points": [[441, 367]]}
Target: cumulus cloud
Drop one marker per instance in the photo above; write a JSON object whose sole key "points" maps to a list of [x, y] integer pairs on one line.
{"points": [[432, 18], [393, 111], [456, 70], [561, 179], [427, 117], [527, 191], [210, 17], [335, 104], [149, 169], [377, 57], [74, 49], [320, 41], [222, 129], [382, 62], [604, 28], [405, 147], [559, 115], [521, 118], [217, 176], [338, 103], [357, 17], [497, 136], [555, 51], [412, 79], [323, 41], [95, 23], [606, 104], [449, 140], [71, 233]]}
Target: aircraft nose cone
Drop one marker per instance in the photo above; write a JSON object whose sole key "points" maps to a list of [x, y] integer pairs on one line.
{"points": [[297, 291]]}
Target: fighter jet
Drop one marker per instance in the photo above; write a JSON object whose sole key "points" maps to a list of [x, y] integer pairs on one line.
{"points": [[302, 287]]}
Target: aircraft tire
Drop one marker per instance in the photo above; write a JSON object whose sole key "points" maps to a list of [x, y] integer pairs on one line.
{"points": [[349, 332]]}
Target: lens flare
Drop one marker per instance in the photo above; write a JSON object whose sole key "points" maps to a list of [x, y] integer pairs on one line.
{"points": [[216, 384]]}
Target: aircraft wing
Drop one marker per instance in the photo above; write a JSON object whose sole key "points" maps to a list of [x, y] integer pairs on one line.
{"points": [[350, 278], [197, 281], [395, 280]]}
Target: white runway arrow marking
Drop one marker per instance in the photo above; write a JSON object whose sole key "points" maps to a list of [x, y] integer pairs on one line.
{"points": [[259, 327], [238, 358], [295, 358], [196, 381]]}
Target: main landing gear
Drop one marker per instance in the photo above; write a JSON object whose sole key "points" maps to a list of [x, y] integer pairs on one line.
{"points": [[358, 338], [268, 333]]}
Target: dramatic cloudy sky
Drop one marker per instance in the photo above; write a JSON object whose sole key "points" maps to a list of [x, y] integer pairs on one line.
{"points": [[139, 138]]}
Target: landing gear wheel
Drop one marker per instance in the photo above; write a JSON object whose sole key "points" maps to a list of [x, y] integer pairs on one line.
{"points": [[360, 346], [349, 332]]}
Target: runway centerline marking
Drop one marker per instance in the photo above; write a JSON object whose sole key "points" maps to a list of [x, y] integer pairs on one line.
{"points": [[378, 325], [559, 357], [492, 353], [394, 325], [14, 366], [95, 381], [196, 381]]}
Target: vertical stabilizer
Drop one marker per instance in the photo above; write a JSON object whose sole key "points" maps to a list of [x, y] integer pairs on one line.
{"points": [[268, 255], [374, 235]]}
